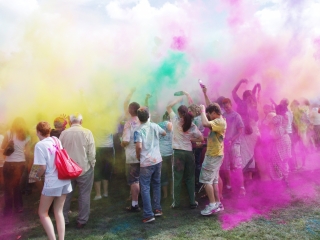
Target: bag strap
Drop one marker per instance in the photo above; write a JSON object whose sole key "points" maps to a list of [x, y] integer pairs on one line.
{"points": [[56, 142]]}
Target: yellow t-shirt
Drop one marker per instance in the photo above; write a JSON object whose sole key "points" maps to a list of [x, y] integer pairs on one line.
{"points": [[216, 137]]}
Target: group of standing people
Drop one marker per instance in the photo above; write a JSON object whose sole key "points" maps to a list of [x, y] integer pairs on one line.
{"points": [[216, 145]]}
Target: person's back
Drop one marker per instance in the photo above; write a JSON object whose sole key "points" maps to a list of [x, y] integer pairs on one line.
{"points": [[78, 141], [165, 142], [80, 145], [128, 136], [150, 153]]}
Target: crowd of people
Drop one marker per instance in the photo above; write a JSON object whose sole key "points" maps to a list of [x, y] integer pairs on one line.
{"points": [[219, 147]]}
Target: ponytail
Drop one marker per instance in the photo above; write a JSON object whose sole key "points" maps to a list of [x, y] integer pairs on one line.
{"points": [[187, 117]]}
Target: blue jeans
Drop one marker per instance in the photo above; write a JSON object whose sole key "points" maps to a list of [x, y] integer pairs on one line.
{"points": [[151, 174]]}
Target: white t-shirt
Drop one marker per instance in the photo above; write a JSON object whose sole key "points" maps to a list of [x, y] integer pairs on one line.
{"points": [[19, 146], [149, 134], [128, 136], [181, 139], [44, 154]]}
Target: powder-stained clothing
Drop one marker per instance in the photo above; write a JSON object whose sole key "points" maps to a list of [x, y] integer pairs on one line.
{"points": [[165, 141], [280, 148], [128, 136], [234, 123], [181, 139], [79, 143], [216, 137], [44, 154], [198, 122], [148, 134]]}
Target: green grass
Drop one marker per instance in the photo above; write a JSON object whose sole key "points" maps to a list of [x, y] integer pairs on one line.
{"points": [[108, 220]]}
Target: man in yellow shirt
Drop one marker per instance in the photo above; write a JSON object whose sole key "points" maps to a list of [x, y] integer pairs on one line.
{"points": [[214, 155]]}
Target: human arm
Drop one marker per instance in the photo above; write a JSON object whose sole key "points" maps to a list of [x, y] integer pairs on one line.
{"points": [[146, 100], [235, 96], [91, 150], [138, 141], [197, 135], [204, 90], [126, 134], [256, 88], [172, 103], [169, 126], [190, 101], [138, 150], [204, 119], [273, 102]]}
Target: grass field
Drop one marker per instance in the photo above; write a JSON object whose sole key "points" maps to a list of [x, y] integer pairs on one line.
{"points": [[253, 217]]}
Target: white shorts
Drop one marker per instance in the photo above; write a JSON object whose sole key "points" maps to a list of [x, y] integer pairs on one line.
{"points": [[57, 192]]}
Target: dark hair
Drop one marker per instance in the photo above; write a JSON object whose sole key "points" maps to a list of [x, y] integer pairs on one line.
{"points": [[143, 114], [246, 94], [166, 116], [187, 117], [19, 127], [133, 108], [213, 107], [44, 128]]}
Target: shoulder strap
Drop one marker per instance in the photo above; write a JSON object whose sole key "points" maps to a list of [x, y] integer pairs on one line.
{"points": [[56, 142]]}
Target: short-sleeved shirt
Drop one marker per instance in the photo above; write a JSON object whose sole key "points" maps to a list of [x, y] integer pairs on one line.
{"points": [[44, 154], [165, 141], [181, 139], [128, 136], [234, 123], [216, 137], [149, 134]]}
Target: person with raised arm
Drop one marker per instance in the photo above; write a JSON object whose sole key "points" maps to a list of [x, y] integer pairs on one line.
{"points": [[247, 108], [132, 163], [184, 132], [214, 156]]}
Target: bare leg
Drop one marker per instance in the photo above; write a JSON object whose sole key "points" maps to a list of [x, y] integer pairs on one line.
{"points": [[58, 215], [105, 184], [45, 203], [97, 186], [210, 193], [135, 189], [220, 186]]}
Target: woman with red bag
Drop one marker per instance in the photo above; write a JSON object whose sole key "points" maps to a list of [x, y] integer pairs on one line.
{"points": [[54, 189]]}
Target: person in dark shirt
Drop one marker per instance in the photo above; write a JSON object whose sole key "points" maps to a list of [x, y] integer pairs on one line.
{"points": [[60, 124]]}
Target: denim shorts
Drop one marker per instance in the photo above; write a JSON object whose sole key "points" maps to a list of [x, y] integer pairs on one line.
{"points": [[133, 173], [57, 192]]}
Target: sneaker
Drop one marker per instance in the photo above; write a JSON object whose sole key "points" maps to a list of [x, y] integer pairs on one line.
{"points": [[157, 213], [195, 205], [209, 210], [97, 198], [135, 208], [148, 220], [105, 195], [220, 207]]}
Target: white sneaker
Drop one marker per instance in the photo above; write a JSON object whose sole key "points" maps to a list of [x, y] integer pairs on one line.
{"points": [[209, 210], [97, 197], [105, 195], [220, 207]]}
